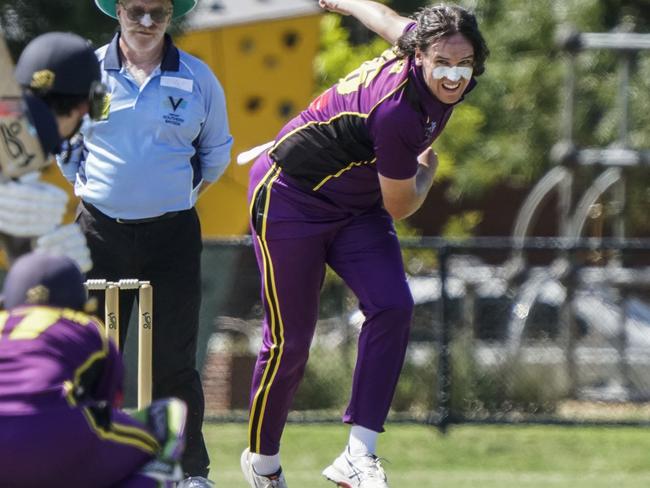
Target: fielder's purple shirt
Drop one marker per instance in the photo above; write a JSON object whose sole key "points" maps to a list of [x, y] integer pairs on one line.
{"points": [[48, 353], [53, 363], [378, 119]]}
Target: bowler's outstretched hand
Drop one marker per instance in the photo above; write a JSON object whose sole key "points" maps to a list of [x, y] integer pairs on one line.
{"points": [[338, 6]]}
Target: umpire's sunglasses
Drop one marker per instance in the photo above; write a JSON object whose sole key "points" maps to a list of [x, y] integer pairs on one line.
{"points": [[135, 13]]}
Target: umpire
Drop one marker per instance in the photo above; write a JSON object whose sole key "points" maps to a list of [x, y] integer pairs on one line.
{"points": [[163, 139]]}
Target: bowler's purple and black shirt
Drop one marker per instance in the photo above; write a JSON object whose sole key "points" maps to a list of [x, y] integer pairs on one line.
{"points": [[378, 119]]}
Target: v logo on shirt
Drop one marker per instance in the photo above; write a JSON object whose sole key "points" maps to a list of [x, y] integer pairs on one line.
{"points": [[175, 103]]}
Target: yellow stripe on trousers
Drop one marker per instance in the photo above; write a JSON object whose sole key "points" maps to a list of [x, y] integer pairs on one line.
{"points": [[274, 318], [123, 434]]}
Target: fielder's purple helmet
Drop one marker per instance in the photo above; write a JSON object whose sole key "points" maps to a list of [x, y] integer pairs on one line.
{"points": [[38, 278]]}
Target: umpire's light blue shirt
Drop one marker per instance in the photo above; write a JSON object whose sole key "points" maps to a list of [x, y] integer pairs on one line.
{"points": [[159, 141]]}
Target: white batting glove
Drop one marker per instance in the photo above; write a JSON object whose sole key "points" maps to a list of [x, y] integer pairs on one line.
{"points": [[67, 240], [30, 208]]}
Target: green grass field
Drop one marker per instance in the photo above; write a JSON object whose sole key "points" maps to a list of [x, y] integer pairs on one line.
{"points": [[468, 456]]}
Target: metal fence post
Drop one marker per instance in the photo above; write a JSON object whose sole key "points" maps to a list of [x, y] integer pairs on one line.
{"points": [[444, 344], [624, 370], [568, 320]]}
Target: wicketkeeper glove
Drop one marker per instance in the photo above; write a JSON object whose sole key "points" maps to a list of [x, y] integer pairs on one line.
{"points": [[166, 422], [165, 475]]}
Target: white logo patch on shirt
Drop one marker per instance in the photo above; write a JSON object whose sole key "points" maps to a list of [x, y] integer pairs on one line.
{"points": [[428, 131], [175, 82]]}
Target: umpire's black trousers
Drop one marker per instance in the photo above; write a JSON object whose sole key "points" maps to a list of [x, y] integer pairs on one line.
{"points": [[166, 252]]}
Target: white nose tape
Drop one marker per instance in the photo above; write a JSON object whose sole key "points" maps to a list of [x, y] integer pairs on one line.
{"points": [[454, 73], [146, 21]]}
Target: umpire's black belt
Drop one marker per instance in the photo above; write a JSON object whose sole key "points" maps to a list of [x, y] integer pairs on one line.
{"points": [[147, 220]]}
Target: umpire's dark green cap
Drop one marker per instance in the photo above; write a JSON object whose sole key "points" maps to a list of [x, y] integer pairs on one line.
{"points": [[181, 7]]}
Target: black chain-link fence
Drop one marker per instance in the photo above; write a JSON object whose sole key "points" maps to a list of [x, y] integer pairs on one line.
{"points": [[541, 330]]}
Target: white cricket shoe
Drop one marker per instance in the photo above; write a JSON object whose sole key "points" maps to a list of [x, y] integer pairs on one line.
{"points": [[356, 471], [196, 482], [257, 480]]}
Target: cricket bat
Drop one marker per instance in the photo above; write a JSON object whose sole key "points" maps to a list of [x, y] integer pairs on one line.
{"points": [[20, 149]]}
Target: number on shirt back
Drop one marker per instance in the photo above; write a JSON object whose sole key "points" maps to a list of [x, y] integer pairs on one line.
{"points": [[37, 320], [364, 74]]}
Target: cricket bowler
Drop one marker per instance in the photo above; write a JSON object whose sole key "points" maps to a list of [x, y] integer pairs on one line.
{"points": [[326, 193]]}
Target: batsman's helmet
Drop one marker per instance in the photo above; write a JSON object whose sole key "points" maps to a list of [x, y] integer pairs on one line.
{"points": [[181, 7], [38, 278], [62, 63]]}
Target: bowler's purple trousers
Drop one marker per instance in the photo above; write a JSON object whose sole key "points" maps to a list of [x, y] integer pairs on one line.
{"points": [[295, 235]]}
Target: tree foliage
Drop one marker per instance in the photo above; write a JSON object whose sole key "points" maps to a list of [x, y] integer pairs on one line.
{"points": [[22, 20]]}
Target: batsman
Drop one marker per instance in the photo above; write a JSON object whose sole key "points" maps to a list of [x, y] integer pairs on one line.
{"points": [[326, 193], [57, 83]]}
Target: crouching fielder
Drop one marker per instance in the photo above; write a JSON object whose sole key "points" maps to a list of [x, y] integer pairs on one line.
{"points": [[60, 388]]}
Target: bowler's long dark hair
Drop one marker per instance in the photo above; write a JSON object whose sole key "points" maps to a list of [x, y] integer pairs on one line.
{"points": [[436, 22]]}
